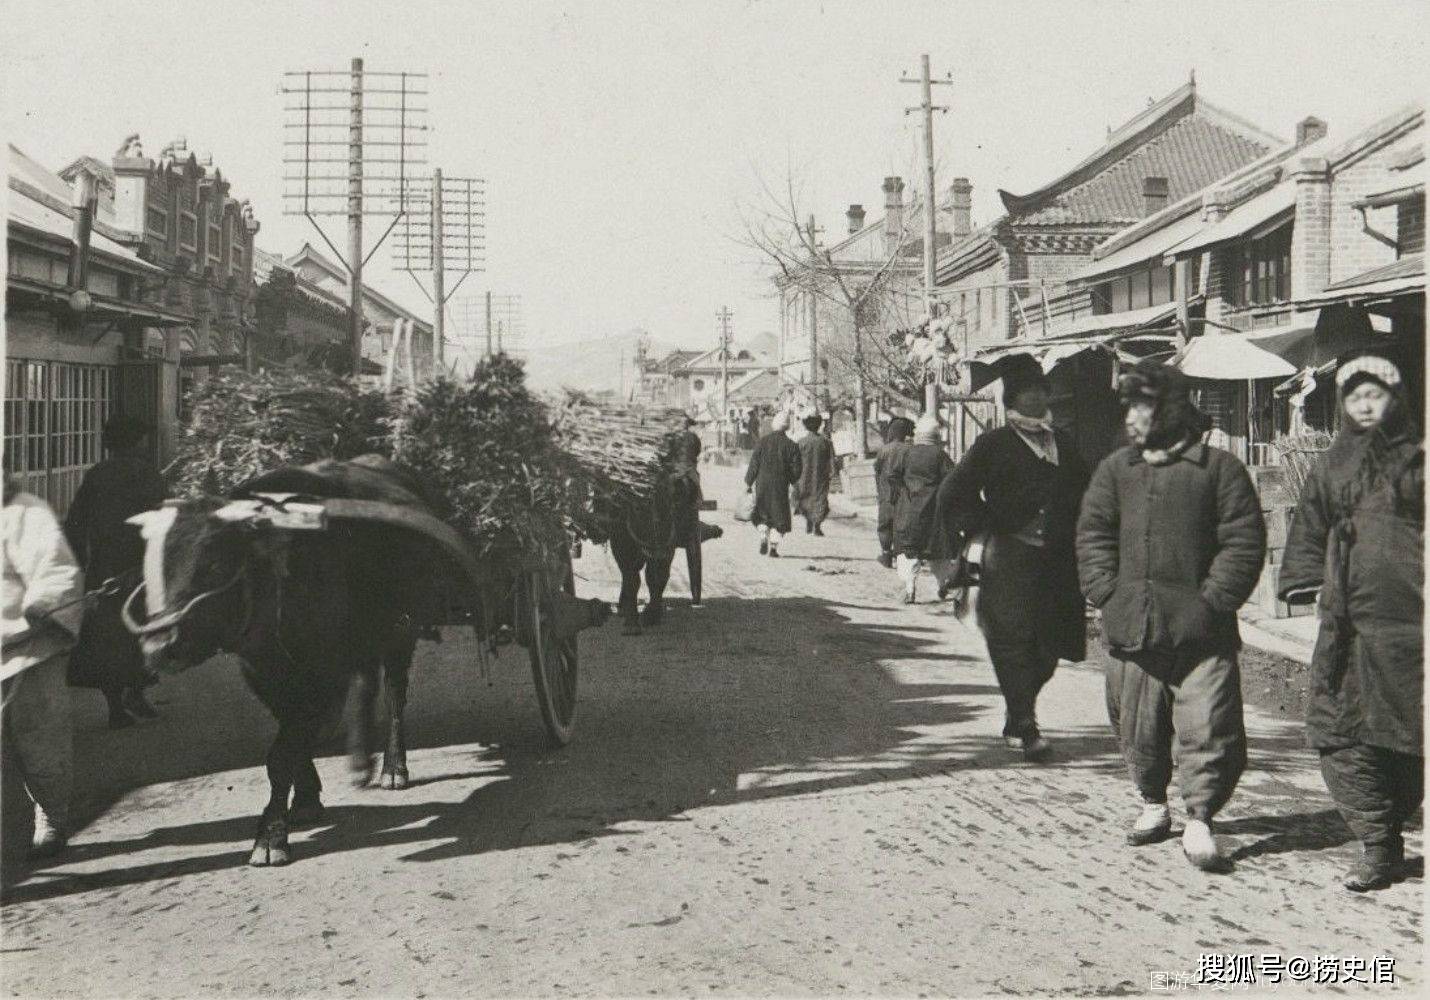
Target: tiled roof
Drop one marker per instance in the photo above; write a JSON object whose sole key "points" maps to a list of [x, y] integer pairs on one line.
{"points": [[1191, 154], [1181, 138]]}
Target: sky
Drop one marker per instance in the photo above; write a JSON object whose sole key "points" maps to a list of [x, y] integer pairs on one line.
{"points": [[621, 141]]}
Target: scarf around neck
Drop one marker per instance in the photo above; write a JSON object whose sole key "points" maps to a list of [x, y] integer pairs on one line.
{"points": [[1166, 456], [1038, 433]]}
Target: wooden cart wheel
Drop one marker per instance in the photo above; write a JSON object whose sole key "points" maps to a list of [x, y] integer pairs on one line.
{"points": [[553, 663]]}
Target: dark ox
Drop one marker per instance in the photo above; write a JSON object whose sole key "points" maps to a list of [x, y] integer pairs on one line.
{"points": [[312, 614], [645, 537]]}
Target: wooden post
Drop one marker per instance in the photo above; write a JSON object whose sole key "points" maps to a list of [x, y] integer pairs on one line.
{"points": [[355, 220]]}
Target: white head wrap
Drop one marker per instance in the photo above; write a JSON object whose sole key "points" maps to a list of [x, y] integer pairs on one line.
{"points": [[1373, 365]]}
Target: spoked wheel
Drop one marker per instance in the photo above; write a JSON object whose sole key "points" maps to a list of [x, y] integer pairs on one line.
{"points": [[553, 662]]}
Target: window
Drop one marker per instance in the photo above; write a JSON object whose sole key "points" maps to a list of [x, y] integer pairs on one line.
{"points": [[158, 221], [1162, 285], [189, 231], [54, 413], [1259, 271], [215, 242]]}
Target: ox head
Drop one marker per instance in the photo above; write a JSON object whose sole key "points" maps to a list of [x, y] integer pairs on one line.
{"points": [[196, 597]]}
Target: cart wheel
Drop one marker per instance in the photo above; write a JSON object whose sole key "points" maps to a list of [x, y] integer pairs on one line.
{"points": [[553, 663]]}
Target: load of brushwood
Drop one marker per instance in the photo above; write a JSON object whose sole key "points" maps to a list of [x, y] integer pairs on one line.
{"points": [[242, 424], [487, 445], [624, 450]]}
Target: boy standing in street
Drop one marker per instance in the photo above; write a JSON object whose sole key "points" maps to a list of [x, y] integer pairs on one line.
{"points": [[1170, 543]]}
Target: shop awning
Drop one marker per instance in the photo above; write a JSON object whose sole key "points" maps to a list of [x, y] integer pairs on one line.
{"points": [[1231, 357], [1148, 248], [1402, 277], [1124, 334], [1252, 218], [1092, 327]]}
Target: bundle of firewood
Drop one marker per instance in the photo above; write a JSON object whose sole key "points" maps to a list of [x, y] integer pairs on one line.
{"points": [[242, 424], [623, 449]]}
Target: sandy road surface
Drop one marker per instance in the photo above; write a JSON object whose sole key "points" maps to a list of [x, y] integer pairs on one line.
{"points": [[798, 790]]}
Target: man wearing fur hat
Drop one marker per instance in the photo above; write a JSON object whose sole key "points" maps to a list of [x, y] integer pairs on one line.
{"points": [[1170, 544]]}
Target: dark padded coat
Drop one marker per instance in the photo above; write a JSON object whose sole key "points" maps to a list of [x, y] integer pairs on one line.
{"points": [[1170, 552], [1368, 669], [774, 467], [915, 475]]}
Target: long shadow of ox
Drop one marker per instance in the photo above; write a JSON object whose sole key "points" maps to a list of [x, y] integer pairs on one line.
{"points": [[313, 614]]}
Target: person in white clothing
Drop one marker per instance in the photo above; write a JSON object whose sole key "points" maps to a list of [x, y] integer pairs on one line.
{"points": [[43, 605]]}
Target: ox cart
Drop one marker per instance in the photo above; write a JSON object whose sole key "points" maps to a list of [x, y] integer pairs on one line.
{"points": [[504, 593]]}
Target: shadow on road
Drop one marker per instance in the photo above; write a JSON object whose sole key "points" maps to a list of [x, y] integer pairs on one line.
{"points": [[746, 700]]}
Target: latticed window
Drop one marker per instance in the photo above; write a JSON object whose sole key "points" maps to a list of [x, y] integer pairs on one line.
{"points": [[54, 418]]}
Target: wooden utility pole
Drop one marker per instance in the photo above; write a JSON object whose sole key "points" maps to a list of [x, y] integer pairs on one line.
{"points": [[439, 297], [724, 317], [814, 377], [930, 227], [355, 260], [489, 324]]}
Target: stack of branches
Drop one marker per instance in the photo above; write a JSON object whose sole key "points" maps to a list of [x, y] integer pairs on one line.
{"points": [[489, 447], [623, 450], [243, 424]]}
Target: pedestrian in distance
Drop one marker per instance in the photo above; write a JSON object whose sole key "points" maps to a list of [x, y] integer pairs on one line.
{"points": [[920, 538], [124, 484], [1170, 543], [1357, 538], [687, 518], [1018, 490], [897, 433], [816, 454], [43, 598], [774, 467]]}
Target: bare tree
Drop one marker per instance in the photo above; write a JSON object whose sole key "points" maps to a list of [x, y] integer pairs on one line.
{"points": [[866, 294]]}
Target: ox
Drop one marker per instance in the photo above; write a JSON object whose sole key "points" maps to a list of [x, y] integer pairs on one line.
{"points": [[645, 537], [312, 614]]}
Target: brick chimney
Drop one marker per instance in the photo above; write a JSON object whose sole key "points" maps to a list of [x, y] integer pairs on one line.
{"points": [[1309, 130], [960, 205], [893, 212], [1311, 236], [1155, 193], [855, 215]]}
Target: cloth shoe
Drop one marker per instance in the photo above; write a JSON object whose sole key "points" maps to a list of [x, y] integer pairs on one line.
{"points": [[886, 560], [1199, 845], [1153, 826], [1377, 869], [774, 552], [764, 546]]}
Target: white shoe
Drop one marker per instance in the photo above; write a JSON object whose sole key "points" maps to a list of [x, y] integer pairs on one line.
{"points": [[1153, 825], [1199, 845], [49, 838]]}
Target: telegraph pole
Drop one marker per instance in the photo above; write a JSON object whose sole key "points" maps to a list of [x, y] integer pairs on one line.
{"points": [[489, 324], [438, 279], [814, 380], [930, 227], [724, 317], [355, 260]]}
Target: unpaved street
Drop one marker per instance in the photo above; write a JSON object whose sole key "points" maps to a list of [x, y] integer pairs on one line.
{"points": [[797, 790]]}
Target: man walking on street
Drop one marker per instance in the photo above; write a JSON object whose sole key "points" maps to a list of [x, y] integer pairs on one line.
{"points": [[774, 467], [920, 537], [816, 455], [42, 610], [1170, 544], [896, 442]]}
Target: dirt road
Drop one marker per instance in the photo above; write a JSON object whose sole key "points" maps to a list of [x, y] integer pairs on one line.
{"points": [[798, 790]]}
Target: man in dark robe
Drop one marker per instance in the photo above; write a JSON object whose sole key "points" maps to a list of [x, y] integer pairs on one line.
{"points": [[687, 517], [896, 441], [127, 483], [816, 454], [774, 467], [919, 536]]}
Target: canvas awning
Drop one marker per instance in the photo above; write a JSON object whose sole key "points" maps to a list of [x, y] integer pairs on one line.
{"points": [[1149, 248], [1402, 277], [1230, 357], [1050, 352], [1254, 217]]}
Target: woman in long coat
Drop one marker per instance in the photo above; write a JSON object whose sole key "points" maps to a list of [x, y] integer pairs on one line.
{"points": [[896, 441], [1020, 486], [816, 456], [107, 656], [1357, 538], [774, 467], [914, 477]]}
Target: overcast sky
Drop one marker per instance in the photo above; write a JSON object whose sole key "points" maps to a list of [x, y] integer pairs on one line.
{"points": [[618, 138]]}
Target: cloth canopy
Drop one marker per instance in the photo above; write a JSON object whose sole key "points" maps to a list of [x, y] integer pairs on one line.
{"points": [[1231, 357]]}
